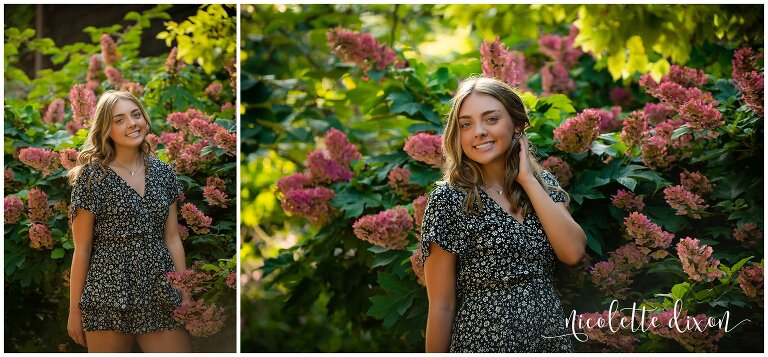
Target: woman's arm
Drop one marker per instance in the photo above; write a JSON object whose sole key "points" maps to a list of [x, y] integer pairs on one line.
{"points": [[82, 234], [173, 242], [565, 235], [440, 277]]}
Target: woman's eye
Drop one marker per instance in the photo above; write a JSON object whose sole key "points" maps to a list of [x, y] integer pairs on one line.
{"points": [[137, 115], [119, 121], [493, 119], [464, 125]]}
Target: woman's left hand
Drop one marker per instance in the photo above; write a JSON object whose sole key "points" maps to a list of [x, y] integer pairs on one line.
{"points": [[525, 172]]}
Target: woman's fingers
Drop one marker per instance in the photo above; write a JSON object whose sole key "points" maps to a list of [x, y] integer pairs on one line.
{"points": [[78, 336]]}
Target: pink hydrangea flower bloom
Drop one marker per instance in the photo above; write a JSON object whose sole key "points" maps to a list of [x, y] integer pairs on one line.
{"points": [[232, 280], [700, 116], [133, 87], [627, 200], [419, 206], [39, 209], [173, 65], [326, 170], [93, 76], [655, 154], [114, 77], [398, 177], [575, 135], [295, 181], [360, 49], [751, 282], [748, 234], [83, 102], [684, 201], [695, 182], [189, 280], [692, 340], [214, 90], [696, 260], [555, 80], [426, 148], [43, 160], [633, 132], [310, 203], [646, 233], [183, 232], [215, 192], [611, 280], [500, 63], [339, 148], [200, 320], [40, 237], [68, 158], [14, 207], [560, 48], [387, 229], [656, 113], [559, 168], [749, 79], [109, 52], [195, 218], [55, 112]]}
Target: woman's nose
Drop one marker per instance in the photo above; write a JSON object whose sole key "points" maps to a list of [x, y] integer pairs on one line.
{"points": [[480, 131]]}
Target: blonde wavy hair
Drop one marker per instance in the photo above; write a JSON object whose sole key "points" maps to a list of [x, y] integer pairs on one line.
{"points": [[464, 173], [99, 148]]}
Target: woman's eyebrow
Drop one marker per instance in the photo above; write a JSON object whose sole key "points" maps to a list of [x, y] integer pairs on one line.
{"points": [[121, 114], [482, 115]]}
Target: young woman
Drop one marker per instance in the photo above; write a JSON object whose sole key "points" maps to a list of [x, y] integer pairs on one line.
{"points": [[126, 236], [491, 234]]}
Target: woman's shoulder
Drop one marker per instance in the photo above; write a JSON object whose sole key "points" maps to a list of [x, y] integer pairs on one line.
{"points": [[162, 166], [447, 193], [549, 178], [86, 172]]}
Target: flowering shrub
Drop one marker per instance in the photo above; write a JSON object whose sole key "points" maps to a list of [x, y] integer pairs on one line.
{"points": [[44, 122], [633, 153], [425, 148], [388, 229]]}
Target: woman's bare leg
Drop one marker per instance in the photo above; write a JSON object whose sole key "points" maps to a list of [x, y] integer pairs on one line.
{"points": [[164, 341], [108, 341]]}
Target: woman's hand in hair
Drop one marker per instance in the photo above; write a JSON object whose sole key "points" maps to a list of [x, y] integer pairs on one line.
{"points": [[525, 171]]}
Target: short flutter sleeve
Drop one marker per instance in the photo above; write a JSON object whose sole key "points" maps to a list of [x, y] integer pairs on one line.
{"points": [[173, 186], [85, 194], [551, 180], [443, 222]]}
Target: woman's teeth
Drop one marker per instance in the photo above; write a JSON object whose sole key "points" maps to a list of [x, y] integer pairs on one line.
{"points": [[484, 146]]}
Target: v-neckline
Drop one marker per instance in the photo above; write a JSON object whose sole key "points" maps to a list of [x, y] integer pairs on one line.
{"points": [[498, 206], [146, 180]]}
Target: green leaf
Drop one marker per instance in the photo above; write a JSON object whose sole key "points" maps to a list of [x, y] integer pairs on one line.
{"points": [[353, 203], [398, 298], [679, 290], [58, 253]]}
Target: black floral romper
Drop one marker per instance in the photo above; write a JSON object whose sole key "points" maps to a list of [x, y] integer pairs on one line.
{"points": [[126, 289], [505, 297]]}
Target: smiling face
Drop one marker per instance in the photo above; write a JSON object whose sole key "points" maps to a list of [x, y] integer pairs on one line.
{"points": [[485, 129], [129, 127]]}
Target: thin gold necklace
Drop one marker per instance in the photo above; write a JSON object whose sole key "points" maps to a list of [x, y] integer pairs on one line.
{"points": [[500, 192], [127, 169]]}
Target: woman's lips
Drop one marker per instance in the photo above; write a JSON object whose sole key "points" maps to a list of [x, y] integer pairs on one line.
{"points": [[484, 146]]}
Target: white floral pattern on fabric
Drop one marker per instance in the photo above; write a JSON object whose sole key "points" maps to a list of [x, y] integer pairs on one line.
{"points": [[505, 295], [125, 289]]}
